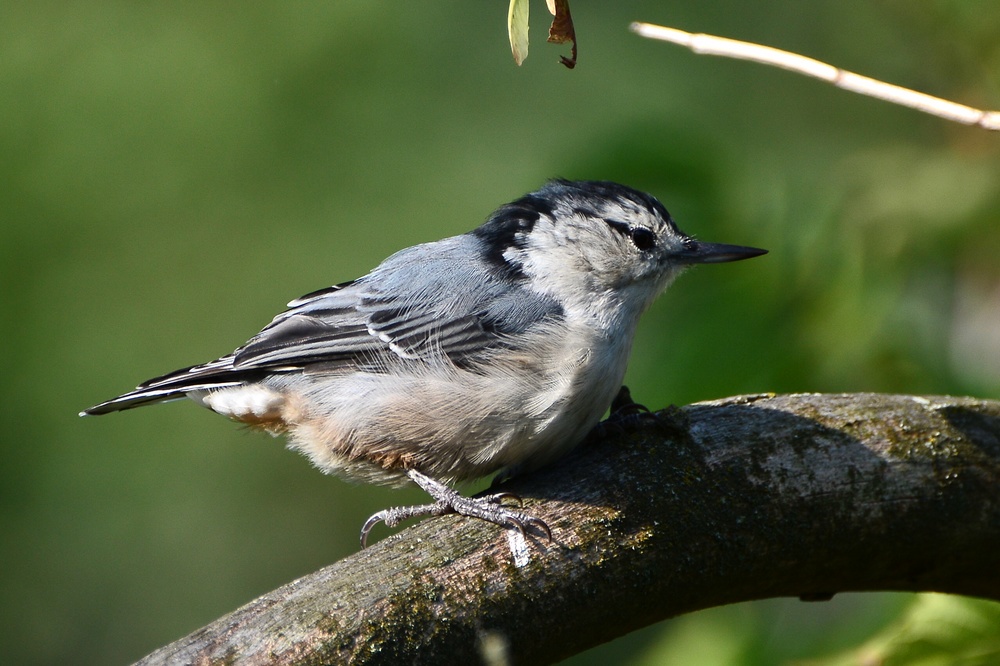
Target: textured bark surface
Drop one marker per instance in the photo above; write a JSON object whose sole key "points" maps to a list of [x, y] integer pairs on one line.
{"points": [[733, 500]]}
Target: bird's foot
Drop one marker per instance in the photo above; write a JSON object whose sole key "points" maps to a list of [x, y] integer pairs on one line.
{"points": [[624, 406], [626, 415], [446, 500]]}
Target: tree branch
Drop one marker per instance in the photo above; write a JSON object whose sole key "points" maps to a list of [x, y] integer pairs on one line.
{"points": [[703, 44], [716, 503]]}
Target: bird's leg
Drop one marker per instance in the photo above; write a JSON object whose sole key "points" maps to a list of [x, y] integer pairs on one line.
{"points": [[447, 500]]}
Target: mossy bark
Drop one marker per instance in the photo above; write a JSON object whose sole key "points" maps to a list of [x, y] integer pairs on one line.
{"points": [[716, 503]]}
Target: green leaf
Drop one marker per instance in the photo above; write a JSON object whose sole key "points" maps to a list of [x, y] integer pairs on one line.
{"points": [[517, 29]]}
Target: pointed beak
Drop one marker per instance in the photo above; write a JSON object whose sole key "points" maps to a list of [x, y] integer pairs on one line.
{"points": [[698, 252]]}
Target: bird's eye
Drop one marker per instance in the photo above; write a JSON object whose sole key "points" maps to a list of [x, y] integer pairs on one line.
{"points": [[642, 238]]}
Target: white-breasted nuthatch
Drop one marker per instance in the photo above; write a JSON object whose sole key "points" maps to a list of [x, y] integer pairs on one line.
{"points": [[496, 349]]}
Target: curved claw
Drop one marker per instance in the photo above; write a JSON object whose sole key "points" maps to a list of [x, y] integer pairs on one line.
{"points": [[372, 521], [510, 522], [498, 498], [521, 523], [541, 525]]}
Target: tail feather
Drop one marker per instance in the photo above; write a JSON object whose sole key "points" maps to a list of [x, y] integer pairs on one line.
{"points": [[176, 385], [147, 396]]}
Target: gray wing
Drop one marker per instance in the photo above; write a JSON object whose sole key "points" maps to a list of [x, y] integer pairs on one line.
{"points": [[424, 304]]}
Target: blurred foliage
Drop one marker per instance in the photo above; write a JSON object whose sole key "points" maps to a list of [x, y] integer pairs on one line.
{"points": [[174, 173], [937, 630]]}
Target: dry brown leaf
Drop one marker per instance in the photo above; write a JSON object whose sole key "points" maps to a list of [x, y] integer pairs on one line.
{"points": [[561, 30]]}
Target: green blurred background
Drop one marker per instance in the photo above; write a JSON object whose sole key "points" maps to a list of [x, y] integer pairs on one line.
{"points": [[174, 173]]}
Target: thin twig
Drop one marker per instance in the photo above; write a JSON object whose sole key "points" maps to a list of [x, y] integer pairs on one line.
{"points": [[766, 55]]}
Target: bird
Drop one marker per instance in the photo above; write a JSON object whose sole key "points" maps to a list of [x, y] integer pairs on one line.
{"points": [[496, 350]]}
